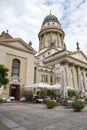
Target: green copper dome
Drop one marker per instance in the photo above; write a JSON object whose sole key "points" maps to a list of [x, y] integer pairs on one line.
{"points": [[49, 18]]}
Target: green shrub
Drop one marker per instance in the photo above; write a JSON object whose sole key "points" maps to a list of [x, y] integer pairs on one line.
{"points": [[78, 105], [50, 104], [1, 100], [43, 93], [72, 93]]}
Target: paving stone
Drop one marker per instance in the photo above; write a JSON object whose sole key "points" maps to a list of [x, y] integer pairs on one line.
{"points": [[9, 123], [3, 127], [38, 117], [19, 128]]}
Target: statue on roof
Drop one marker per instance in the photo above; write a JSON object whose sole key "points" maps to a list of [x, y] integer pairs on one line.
{"points": [[77, 46], [30, 43], [64, 46]]}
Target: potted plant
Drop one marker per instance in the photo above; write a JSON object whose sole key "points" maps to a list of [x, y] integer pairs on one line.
{"points": [[72, 93], [78, 105], [50, 104]]}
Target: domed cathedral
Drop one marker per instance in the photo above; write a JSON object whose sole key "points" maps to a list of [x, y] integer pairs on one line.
{"points": [[52, 62], [51, 37], [53, 57]]}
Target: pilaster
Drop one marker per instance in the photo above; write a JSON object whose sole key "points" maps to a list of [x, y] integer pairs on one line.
{"points": [[58, 40]]}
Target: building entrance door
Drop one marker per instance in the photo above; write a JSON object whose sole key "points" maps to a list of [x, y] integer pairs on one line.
{"points": [[15, 91]]}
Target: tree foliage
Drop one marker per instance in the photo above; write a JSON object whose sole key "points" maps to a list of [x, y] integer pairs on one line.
{"points": [[3, 75]]}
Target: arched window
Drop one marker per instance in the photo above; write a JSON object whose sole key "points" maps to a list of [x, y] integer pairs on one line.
{"points": [[15, 67]]}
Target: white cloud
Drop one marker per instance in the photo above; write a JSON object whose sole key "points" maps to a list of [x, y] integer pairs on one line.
{"points": [[24, 19], [77, 28]]}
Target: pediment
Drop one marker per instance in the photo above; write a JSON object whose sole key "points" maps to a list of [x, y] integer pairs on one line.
{"points": [[19, 44], [15, 80], [80, 56]]}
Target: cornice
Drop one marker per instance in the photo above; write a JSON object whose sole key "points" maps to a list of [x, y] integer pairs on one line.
{"points": [[76, 60], [77, 52], [16, 47], [50, 29], [48, 49], [65, 57], [57, 55], [16, 56], [30, 49]]}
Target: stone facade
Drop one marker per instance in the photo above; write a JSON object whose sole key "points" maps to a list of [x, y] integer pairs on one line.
{"points": [[54, 55], [11, 49]]}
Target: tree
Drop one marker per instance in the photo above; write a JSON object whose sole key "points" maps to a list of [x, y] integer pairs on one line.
{"points": [[3, 75]]}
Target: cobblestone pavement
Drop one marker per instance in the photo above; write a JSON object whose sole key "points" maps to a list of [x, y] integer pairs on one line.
{"points": [[3, 127], [26, 116]]}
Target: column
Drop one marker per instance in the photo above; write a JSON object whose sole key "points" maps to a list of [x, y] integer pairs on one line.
{"points": [[62, 43], [84, 79], [65, 68], [67, 74], [75, 84], [51, 37], [54, 74], [79, 75], [45, 40], [40, 43], [58, 40]]}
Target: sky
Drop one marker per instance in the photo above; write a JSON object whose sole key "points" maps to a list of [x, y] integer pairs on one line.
{"points": [[23, 19]]}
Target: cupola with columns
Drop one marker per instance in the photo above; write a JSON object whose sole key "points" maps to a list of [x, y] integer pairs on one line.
{"points": [[51, 33]]}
